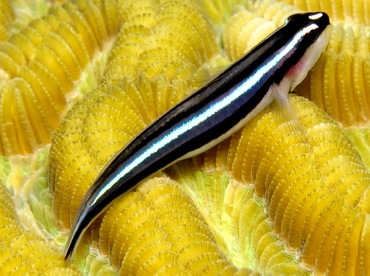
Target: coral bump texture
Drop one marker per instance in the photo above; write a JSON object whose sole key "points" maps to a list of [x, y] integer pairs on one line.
{"points": [[287, 194]]}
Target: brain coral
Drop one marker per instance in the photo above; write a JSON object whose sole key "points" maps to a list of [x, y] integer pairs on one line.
{"points": [[288, 194]]}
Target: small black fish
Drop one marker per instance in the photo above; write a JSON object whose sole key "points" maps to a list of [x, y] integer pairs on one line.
{"points": [[217, 110]]}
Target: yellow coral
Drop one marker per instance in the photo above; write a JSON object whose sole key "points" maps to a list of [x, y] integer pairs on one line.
{"points": [[41, 64], [22, 251], [288, 194], [6, 17], [138, 233]]}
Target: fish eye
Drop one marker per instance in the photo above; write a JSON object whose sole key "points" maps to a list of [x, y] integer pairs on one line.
{"points": [[298, 17], [320, 18]]}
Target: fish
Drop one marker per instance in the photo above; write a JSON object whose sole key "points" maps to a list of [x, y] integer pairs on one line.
{"points": [[213, 113]]}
